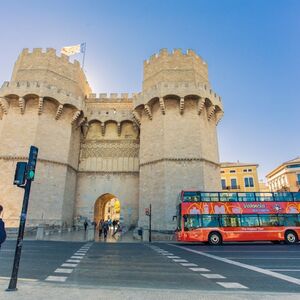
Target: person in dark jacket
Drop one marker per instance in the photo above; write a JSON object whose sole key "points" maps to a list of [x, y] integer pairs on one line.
{"points": [[2, 228], [105, 229]]}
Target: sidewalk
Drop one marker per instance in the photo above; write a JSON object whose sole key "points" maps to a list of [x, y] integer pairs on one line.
{"points": [[82, 236], [40, 291]]}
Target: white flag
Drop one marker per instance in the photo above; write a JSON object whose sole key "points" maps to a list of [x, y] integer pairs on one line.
{"points": [[71, 50]]}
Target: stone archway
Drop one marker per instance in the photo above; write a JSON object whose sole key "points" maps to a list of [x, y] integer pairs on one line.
{"points": [[107, 206]]}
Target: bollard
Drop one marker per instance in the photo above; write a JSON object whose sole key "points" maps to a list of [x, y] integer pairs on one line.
{"points": [[40, 232], [145, 235], [91, 233]]}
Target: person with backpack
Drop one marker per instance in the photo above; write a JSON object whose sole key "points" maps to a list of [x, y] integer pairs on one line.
{"points": [[2, 228]]}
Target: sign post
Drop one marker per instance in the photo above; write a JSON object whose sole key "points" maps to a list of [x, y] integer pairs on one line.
{"points": [[21, 175], [148, 212]]}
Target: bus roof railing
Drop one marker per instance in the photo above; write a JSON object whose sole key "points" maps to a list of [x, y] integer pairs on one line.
{"points": [[205, 196]]}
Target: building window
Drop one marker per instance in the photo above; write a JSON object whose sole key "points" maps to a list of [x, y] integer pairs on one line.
{"points": [[249, 170], [222, 171], [245, 170], [298, 179], [233, 183], [223, 183], [249, 182], [232, 171]]}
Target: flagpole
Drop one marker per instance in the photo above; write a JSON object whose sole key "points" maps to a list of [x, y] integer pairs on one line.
{"points": [[83, 55]]}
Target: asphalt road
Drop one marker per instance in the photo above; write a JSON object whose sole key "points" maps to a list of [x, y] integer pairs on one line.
{"points": [[232, 267]]}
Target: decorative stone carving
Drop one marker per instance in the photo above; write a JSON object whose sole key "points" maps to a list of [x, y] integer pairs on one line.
{"points": [[59, 112], [4, 105], [148, 111], [110, 148], [76, 116], [201, 103], [181, 105], [210, 112], [162, 105], [41, 104], [22, 105]]}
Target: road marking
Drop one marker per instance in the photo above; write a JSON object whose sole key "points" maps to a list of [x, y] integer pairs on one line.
{"points": [[173, 256], [167, 253], [77, 257], [232, 285], [79, 254], [60, 270], [285, 270], [56, 278], [213, 276], [188, 265], [180, 260], [69, 265], [199, 270], [264, 258], [73, 261], [245, 266], [21, 279]]}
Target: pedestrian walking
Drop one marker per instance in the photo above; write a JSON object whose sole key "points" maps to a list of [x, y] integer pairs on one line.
{"points": [[117, 227], [114, 223], [2, 228], [105, 229], [100, 227], [85, 225]]}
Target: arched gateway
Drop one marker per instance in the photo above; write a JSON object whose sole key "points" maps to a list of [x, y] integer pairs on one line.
{"points": [[107, 207]]}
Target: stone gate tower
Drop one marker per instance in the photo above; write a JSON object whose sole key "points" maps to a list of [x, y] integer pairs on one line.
{"points": [[177, 112], [42, 105], [141, 149]]}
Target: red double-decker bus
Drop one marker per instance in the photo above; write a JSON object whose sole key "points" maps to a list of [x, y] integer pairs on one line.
{"points": [[217, 217]]}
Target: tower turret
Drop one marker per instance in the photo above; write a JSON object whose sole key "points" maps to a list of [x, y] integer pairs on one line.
{"points": [[43, 106], [177, 112]]}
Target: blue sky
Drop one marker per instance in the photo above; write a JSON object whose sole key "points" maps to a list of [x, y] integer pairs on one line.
{"points": [[252, 49]]}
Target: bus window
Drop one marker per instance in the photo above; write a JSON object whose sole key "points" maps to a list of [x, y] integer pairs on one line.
{"points": [[191, 196], [296, 196], [246, 197], [269, 220], [230, 221], [228, 197], [191, 222], [249, 220], [282, 196], [291, 220], [210, 197], [264, 196], [210, 221]]}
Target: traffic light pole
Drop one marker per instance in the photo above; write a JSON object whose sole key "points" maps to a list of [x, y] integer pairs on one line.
{"points": [[28, 171], [14, 275]]}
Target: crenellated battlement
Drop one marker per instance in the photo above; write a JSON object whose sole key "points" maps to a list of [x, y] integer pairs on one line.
{"points": [[174, 66], [45, 65], [42, 89], [112, 97], [37, 52], [163, 53]]}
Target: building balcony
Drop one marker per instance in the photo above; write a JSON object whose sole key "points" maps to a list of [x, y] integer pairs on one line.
{"points": [[232, 187]]}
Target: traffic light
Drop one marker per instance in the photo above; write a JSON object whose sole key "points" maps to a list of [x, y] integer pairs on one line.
{"points": [[32, 163], [20, 174]]}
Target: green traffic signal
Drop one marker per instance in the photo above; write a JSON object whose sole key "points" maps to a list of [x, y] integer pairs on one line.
{"points": [[31, 174]]}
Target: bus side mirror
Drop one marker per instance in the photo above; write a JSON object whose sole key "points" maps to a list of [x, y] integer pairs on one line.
{"points": [[174, 218]]}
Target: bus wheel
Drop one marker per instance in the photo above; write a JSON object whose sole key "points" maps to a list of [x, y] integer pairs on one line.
{"points": [[215, 238], [291, 237]]}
